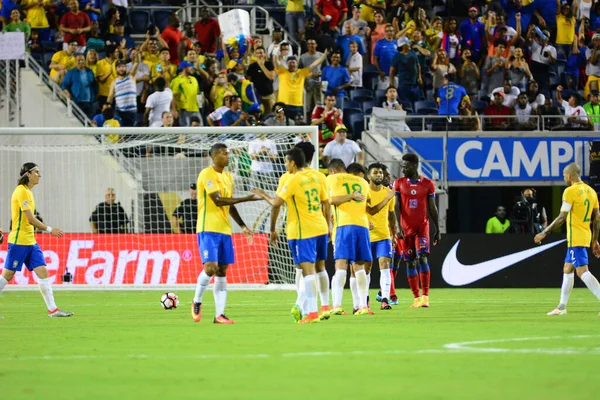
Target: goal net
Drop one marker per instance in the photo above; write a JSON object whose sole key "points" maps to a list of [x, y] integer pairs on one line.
{"points": [[123, 197]]}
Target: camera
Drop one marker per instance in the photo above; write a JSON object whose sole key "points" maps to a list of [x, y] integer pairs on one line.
{"points": [[67, 277], [152, 30], [546, 53], [251, 121]]}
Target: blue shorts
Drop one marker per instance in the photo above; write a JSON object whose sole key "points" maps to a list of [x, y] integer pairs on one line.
{"points": [[578, 256], [309, 250], [352, 243], [18, 255], [381, 248], [216, 247]]}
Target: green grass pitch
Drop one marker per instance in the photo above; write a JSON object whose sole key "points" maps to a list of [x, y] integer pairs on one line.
{"points": [[122, 345]]}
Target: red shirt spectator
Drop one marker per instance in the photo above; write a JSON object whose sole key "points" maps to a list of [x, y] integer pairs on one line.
{"points": [[336, 9], [495, 109], [207, 31], [75, 24], [327, 117], [172, 36]]}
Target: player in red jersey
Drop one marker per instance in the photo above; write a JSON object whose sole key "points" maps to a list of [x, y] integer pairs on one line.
{"points": [[415, 201]]}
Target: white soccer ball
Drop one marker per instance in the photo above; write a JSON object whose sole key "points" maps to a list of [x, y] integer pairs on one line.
{"points": [[169, 301]]}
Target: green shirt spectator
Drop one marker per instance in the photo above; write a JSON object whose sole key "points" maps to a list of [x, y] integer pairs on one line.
{"points": [[16, 25], [498, 223], [593, 109]]}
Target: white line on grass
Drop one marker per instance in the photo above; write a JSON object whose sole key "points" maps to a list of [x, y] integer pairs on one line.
{"points": [[472, 346]]}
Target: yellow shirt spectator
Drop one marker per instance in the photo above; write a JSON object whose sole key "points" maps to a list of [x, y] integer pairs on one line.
{"points": [[150, 59], [565, 29], [62, 58], [219, 93], [212, 218], [112, 123], [368, 13], [36, 13], [167, 71], [291, 86], [102, 68], [22, 231], [295, 6], [185, 89]]}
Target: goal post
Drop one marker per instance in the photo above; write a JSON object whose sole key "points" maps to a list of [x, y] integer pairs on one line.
{"points": [[150, 171]]}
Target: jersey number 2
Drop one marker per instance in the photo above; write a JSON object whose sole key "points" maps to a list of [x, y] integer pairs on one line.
{"points": [[587, 211]]}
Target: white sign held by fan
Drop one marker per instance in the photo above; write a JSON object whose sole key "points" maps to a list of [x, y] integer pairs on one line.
{"points": [[233, 23], [12, 46]]}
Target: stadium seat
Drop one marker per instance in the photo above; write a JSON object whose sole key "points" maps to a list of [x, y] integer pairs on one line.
{"points": [[49, 45], [554, 82], [415, 124], [38, 57], [360, 93], [46, 58], [478, 105], [139, 21], [357, 123], [360, 99], [367, 106], [352, 104], [427, 111], [352, 110], [424, 104], [370, 68], [370, 80], [406, 105], [161, 17]]}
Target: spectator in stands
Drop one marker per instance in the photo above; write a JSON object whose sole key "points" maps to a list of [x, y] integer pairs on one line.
{"points": [[312, 85], [404, 13], [385, 50], [164, 67], [498, 223], [109, 216], [595, 17], [111, 121], [94, 41], [421, 49], [361, 26], [107, 25], [246, 90], [518, 69], [294, 18], [406, 65], [75, 24], [90, 7], [450, 41], [441, 67], [575, 62], [542, 56], [536, 98], [522, 111], [472, 34], [35, 44], [368, 8], [343, 42], [495, 66], [592, 109], [185, 90], [548, 113], [333, 12], [208, 32], [106, 73], [451, 96], [510, 38], [324, 39], [262, 74], [172, 36], [276, 40], [291, 81], [469, 74], [118, 38], [16, 25], [220, 88], [432, 34], [168, 120], [496, 109], [123, 91], [36, 17], [187, 41], [281, 59], [593, 67], [279, 119], [565, 27], [80, 86], [337, 78], [511, 93], [327, 118], [377, 33], [63, 61], [98, 120], [263, 152], [235, 116], [157, 103], [355, 66], [215, 117], [142, 77], [121, 6], [185, 216], [345, 149], [391, 99], [576, 117], [150, 50], [469, 120]]}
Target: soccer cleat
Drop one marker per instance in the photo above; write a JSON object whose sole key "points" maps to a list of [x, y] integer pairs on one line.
{"points": [[196, 311], [378, 297], [223, 320], [58, 313], [385, 305], [337, 311], [325, 312], [311, 318], [425, 301], [556, 311], [393, 301], [296, 313], [364, 311], [416, 303]]}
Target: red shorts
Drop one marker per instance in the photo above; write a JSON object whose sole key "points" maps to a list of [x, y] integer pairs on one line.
{"points": [[414, 245]]}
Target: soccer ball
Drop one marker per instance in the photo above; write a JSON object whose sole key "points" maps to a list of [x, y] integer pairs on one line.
{"points": [[169, 301]]}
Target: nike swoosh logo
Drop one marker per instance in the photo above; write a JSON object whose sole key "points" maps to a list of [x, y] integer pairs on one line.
{"points": [[457, 274]]}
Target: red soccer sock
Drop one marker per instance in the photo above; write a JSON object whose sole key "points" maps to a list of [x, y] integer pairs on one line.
{"points": [[393, 287], [425, 279], [413, 282]]}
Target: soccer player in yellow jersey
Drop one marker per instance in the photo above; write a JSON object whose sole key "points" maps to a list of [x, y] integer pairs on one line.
{"points": [[307, 223], [350, 194], [384, 227], [579, 209], [22, 246], [215, 205]]}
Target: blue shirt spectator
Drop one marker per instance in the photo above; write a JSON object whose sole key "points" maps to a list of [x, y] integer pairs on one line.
{"points": [[93, 4], [344, 41], [450, 95], [385, 50], [81, 86], [231, 117], [472, 33], [336, 76]]}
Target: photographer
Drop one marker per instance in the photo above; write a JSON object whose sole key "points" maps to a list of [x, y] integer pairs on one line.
{"points": [[542, 56], [527, 215]]}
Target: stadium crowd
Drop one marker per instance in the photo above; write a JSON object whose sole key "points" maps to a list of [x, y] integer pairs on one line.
{"points": [[511, 60]]}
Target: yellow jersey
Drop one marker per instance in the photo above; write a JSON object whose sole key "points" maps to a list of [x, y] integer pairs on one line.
{"points": [[103, 67], [303, 193], [63, 58], [351, 212], [22, 231], [368, 13], [150, 59], [579, 200], [381, 226], [36, 13], [188, 89], [167, 71], [565, 29], [212, 218], [291, 86]]}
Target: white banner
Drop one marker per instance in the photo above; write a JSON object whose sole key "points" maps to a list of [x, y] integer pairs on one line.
{"points": [[12, 46], [233, 23]]}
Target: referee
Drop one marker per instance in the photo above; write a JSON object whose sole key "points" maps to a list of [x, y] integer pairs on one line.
{"points": [[185, 215]]}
